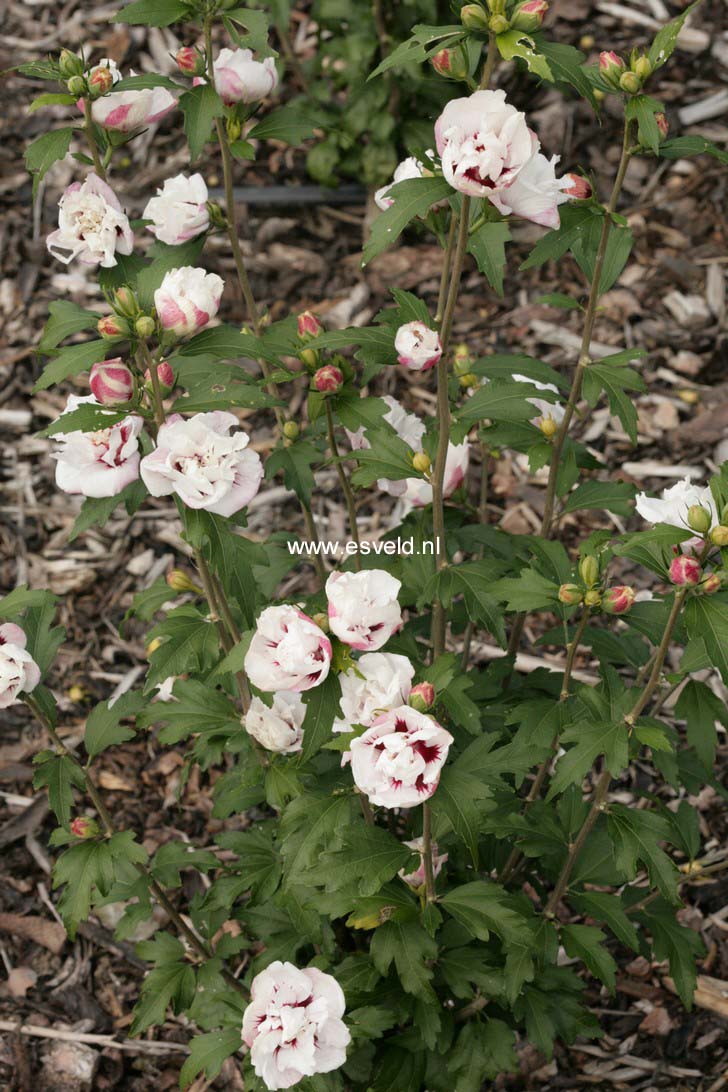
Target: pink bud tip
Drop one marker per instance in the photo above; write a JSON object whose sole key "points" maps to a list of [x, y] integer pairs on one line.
{"points": [[422, 696], [662, 124], [83, 827], [711, 584], [164, 374], [101, 80], [110, 326], [441, 62], [308, 325], [535, 7], [685, 570], [111, 382], [609, 59], [580, 188], [189, 61], [328, 380], [618, 600]]}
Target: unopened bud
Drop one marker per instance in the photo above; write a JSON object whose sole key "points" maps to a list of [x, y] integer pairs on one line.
{"points": [[618, 600], [699, 518], [308, 326], [329, 379], [111, 382], [474, 17], [100, 81], [125, 302], [112, 326], [145, 326], [642, 67], [179, 581], [589, 570], [76, 694], [322, 621], [451, 63], [719, 535], [470, 379], [712, 584], [611, 67], [291, 431], [422, 697], [76, 85], [685, 570], [498, 24], [548, 426], [570, 594], [421, 462], [190, 61], [165, 375], [234, 129], [461, 359], [529, 16], [83, 827], [580, 188], [70, 64], [630, 82], [662, 124], [217, 216], [309, 357], [592, 598]]}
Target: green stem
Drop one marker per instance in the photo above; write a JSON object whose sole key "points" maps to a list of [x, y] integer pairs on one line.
{"points": [[88, 129], [343, 481], [482, 520], [427, 852], [602, 787]]}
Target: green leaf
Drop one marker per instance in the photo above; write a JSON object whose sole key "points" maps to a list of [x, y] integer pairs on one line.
{"points": [[609, 909], [635, 836], [590, 739], [69, 362], [663, 45], [420, 46], [200, 106], [528, 591], [617, 497], [619, 248], [411, 198], [45, 151], [642, 109], [82, 868], [676, 943], [291, 124], [197, 708], [516, 44], [104, 728], [389, 457], [368, 858], [310, 824], [146, 603], [458, 799], [488, 247], [481, 1052], [96, 511], [165, 258], [706, 617], [59, 774], [295, 462], [13, 605], [567, 66], [410, 948], [692, 145], [146, 81], [322, 707], [231, 556], [65, 318], [482, 907], [153, 13], [172, 984], [701, 708], [173, 857], [86, 418], [44, 639], [189, 643], [615, 381], [586, 942], [259, 868], [576, 220], [207, 1054], [503, 400]]}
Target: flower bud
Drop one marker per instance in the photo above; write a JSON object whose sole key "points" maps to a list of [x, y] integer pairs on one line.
{"points": [[422, 697], [712, 584], [685, 570], [589, 570], [699, 519], [69, 64], [548, 426], [83, 827], [190, 61], [234, 129], [592, 598], [662, 124], [498, 24], [474, 17], [580, 188], [125, 302], [165, 375], [76, 85], [76, 694], [529, 16], [100, 81], [145, 326], [630, 82], [611, 67], [328, 380], [179, 581], [421, 462], [451, 63], [308, 326], [642, 67], [461, 359], [309, 357], [470, 379], [111, 382], [719, 535], [618, 600], [570, 594], [291, 431], [322, 621], [112, 326]]}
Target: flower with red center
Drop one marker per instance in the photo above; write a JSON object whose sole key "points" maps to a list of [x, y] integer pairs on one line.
{"points": [[288, 651], [363, 607], [100, 463], [293, 1024], [685, 570], [19, 673], [377, 681], [397, 762]]}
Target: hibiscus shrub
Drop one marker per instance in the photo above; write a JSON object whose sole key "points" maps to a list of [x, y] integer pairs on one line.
{"points": [[415, 835]]}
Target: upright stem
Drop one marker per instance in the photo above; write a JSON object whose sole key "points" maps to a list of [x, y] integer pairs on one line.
{"points": [[89, 132], [343, 481], [427, 852], [547, 521], [602, 787], [157, 399]]}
